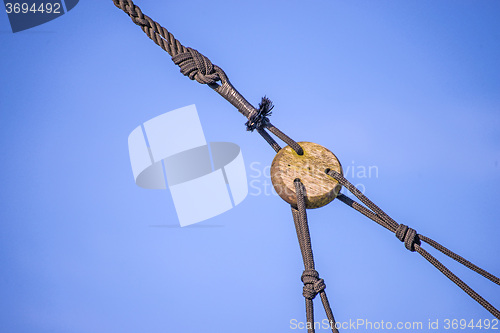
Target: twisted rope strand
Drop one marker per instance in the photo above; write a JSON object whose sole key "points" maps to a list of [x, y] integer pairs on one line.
{"points": [[158, 34]]}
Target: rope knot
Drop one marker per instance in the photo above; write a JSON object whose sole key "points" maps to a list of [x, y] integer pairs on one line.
{"points": [[260, 118], [313, 285], [196, 66], [407, 235]]}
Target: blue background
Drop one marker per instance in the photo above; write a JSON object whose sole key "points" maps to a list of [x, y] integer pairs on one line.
{"points": [[411, 87]]}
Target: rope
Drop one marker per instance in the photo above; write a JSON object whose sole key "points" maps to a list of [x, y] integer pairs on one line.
{"points": [[260, 119], [461, 260], [313, 285], [412, 241], [197, 67], [152, 29]]}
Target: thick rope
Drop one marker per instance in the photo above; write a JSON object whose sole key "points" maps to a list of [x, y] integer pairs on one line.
{"points": [[197, 67], [152, 29], [412, 240], [313, 285]]}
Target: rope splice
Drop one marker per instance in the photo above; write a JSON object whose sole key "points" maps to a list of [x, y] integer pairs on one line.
{"points": [[196, 66]]}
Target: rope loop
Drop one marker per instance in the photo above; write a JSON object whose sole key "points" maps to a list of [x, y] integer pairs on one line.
{"points": [[313, 285], [196, 66], [260, 118], [407, 235]]}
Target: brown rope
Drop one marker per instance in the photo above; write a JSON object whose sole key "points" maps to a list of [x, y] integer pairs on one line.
{"points": [[412, 240], [152, 29], [197, 67], [313, 285], [460, 259]]}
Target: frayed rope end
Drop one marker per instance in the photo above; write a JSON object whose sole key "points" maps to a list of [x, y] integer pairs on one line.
{"points": [[260, 119]]}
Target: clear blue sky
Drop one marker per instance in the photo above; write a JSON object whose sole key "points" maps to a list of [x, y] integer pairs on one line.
{"points": [[410, 88]]}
